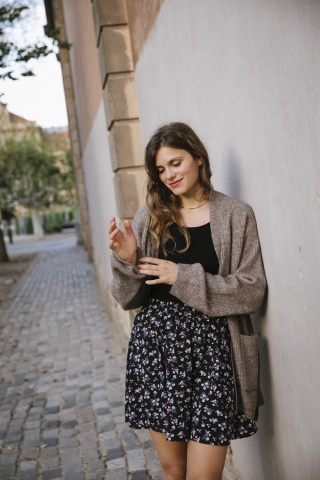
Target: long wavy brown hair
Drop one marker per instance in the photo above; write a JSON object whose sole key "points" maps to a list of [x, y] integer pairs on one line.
{"points": [[162, 203]]}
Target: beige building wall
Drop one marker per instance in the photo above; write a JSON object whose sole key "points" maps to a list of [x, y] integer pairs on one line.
{"points": [[107, 113], [247, 79]]}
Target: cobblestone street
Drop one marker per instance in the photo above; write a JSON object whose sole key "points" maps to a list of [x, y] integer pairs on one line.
{"points": [[62, 379]]}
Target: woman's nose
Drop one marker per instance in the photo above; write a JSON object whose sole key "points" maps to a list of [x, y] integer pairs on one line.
{"points": [[170, 173]]}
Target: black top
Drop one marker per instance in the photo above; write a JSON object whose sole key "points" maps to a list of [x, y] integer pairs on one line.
{"points": [[201, 250]]}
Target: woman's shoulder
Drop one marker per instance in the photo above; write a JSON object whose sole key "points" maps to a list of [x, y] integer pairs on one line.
{"points": [[228, 203]]}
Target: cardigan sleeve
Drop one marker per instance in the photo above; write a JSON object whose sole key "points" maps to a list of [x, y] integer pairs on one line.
{"points": [[128, 286], [240, 292]]}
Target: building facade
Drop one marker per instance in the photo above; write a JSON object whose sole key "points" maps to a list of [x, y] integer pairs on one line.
{"points": [[246, 78], [12, 125]]}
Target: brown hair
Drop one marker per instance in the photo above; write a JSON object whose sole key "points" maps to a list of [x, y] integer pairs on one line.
{"points": [[161, 202]]}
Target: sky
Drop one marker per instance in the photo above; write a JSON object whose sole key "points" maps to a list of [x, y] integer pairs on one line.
{"points": [[39, 98]]}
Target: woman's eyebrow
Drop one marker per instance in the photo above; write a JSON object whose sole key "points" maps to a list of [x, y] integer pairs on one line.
{"points": [[170, 161]]}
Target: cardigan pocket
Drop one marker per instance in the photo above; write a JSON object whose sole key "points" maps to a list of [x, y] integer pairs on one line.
{"points": [[249, 372]]}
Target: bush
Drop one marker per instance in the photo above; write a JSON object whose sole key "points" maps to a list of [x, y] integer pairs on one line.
{"points": [[54, 222]]}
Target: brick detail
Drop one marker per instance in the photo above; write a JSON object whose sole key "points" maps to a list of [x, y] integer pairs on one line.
{"points": [[114, 51], [121, 103], [126, 146], [130, 188], [109, 12]]}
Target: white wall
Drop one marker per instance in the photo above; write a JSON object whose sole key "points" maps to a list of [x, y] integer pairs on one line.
{"points": [[247, 77], [102, 206], [100, 191]]}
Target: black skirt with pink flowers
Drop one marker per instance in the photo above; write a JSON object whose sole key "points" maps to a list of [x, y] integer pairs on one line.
{"points": [[179, 376]]}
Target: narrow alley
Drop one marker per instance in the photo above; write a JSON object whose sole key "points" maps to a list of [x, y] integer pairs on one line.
{"points": [[62, 380]]}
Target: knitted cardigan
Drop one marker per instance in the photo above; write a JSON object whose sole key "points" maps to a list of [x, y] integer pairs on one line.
{"points": [[234, 293]]}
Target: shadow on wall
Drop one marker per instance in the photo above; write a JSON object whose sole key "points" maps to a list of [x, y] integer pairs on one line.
{"points": [[265, 438], [232, 175], [235, 188]]}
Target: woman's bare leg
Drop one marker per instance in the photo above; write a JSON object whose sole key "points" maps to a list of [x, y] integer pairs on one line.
{"points": [[205, 462], [172, 456]]}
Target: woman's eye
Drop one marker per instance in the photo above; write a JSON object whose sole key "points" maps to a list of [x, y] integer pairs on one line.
{"points": [[176, 164]]}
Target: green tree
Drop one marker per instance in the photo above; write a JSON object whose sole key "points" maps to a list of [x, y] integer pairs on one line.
{"points": [[34, 177], [16, 59]]}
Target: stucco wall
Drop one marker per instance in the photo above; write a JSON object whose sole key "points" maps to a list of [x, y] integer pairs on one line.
{"points": [[102, 206], [84, 63], [141, 17], [247, 79], [101, 196]]}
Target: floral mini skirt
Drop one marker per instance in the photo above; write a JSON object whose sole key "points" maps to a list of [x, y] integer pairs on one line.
{"points": [[179, 376]]}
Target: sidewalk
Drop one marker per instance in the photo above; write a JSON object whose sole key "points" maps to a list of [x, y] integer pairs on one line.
{"points": [[34, 238], [61, 391]]}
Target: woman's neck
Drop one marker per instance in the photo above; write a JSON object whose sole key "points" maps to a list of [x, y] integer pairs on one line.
{"points": [[194, 200], [195, 217]]}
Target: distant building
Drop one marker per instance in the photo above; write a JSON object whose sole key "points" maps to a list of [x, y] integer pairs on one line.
{"points": [[12, 125]]}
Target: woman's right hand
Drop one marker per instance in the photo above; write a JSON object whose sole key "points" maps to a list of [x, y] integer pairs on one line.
{"points": [[124, 244]]}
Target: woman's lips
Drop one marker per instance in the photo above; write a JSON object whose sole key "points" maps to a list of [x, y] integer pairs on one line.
{"points": [[174, 184]]}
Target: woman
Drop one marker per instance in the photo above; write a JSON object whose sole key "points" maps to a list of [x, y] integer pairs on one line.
{"points": [[192, 262]]}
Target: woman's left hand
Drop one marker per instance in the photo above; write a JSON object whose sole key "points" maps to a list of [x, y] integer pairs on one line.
{"points": [[165, 270]]}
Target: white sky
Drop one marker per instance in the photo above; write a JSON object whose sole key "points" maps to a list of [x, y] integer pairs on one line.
{"points": [[40, 98]]}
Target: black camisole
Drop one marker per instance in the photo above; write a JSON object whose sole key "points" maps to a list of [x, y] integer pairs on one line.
{"points": [[201, 251]]}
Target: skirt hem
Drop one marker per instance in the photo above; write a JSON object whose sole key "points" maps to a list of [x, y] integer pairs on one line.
{"points": [[214, 443]]}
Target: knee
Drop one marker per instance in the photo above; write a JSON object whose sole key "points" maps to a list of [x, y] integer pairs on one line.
{"points": [[174, 471]]}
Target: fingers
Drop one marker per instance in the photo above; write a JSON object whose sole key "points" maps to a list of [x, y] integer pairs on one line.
{"points": [[151, 260], [113, 232], [148, 271], [165, 270], [112, 225], [152, 266], [128, 228], [156, 281], [149, 266]]}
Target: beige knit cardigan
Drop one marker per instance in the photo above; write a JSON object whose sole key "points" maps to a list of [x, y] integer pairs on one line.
{"points": [[234, 293]]}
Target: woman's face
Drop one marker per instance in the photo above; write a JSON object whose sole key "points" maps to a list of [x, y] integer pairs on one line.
{"points": [[178, 170]]}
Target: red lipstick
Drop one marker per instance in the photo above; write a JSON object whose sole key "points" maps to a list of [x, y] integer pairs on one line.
{"points": [[176, 183]]}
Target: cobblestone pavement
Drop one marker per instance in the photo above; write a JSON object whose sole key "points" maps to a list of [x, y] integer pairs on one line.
{"points": [[62, 377]]}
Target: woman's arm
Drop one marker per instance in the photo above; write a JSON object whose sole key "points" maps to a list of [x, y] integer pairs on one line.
{"points": [[240, 292], [128, 285]]}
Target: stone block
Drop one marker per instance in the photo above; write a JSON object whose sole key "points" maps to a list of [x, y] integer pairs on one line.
{"points": [[136, 460], [52, 474], [130, 190], [120, 98], [126, 147], [108, 12], [114, 51]]}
